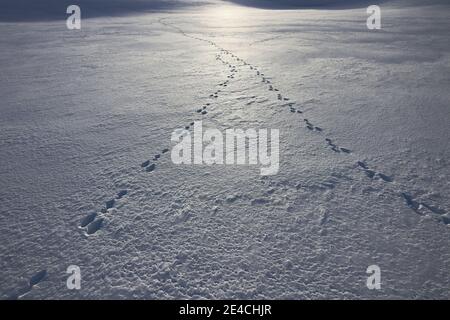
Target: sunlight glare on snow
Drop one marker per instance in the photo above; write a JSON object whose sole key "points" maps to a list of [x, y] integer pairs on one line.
{"points": [[228, 15]]}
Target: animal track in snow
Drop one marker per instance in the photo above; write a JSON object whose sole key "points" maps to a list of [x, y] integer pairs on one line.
{"points": [[385, 177], [94, 226], [410, 202], [121, 194], [294, 110], [310, 126], [149, 167], [32, 282], [372, 174], [421, 208], [91, 223], [37, 277], [110, 204], [336, 148]]}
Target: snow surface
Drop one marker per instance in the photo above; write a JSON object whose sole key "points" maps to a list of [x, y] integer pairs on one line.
{"points": [[84, 113]]}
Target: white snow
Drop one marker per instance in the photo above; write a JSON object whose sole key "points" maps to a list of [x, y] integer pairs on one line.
{"points": [[86, 116]]}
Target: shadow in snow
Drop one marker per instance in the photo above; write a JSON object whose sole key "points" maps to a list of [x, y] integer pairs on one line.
{"points": [[47, 10]]}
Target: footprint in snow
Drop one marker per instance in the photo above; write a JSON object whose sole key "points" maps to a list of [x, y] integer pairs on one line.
{"points": [[372, 174], [88, 219], [33, 281], [37, 277], [419, 208], [311, 127], [384, 177], [334, 147], [121, 194], [94, 226], [410, 202], [110, 204], [362, 165]]}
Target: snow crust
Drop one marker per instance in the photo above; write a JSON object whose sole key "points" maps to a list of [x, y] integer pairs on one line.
{"points": [[85, 125]]}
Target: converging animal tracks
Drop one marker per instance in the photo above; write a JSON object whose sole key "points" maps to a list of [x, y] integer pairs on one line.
{"points": [[93, 221], [243, 153]]}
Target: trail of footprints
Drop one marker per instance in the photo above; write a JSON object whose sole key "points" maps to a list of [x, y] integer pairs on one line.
{"points": [[90, 224], [292, 106], [417, 206], [93, 221], [421, 208], [335, 147], [372, 174]]}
